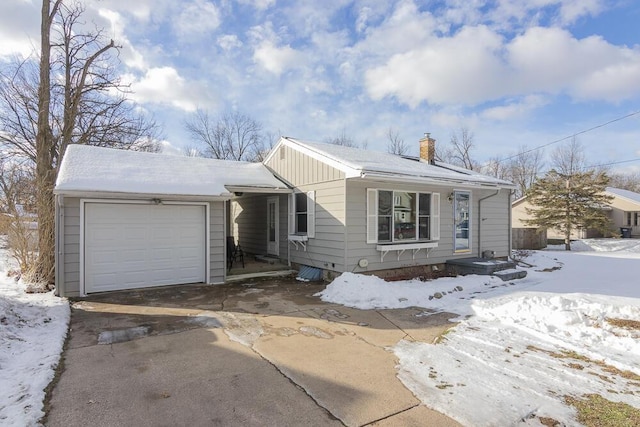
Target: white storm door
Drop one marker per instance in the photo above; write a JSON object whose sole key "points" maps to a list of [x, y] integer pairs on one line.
{"points": [[130, 245], [273, 229]]}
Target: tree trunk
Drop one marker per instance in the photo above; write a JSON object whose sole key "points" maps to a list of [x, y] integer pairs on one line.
{"points": [[43, 271]]}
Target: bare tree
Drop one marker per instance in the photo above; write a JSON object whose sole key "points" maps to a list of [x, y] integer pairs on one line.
{"points": [[626, 181], [17, 187], [568, 159], [343, 139], [524, 169], [496, 167], [40, 118], [17, 203], [458, 152], [269, 140], [395, 144], [192, 151], [233, 136]]}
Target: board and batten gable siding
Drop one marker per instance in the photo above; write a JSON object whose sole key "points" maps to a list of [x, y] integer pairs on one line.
{"points": [[326, 249], [299, 169], [356, 222], [69, 259], [249, 223]]}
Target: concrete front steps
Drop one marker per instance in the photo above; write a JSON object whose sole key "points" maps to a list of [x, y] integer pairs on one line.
{"points": [[505, 270]]}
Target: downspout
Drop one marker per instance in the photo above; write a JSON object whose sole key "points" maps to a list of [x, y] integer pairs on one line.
{"points": [[511, 193], [59, 249], [288, 228], [345, 249], [480, 220]]}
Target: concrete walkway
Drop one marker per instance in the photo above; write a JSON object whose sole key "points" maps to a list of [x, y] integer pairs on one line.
{"points": [[260, 353]]}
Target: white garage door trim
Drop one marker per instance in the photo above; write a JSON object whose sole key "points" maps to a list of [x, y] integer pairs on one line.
{"points": [[84, 202]]}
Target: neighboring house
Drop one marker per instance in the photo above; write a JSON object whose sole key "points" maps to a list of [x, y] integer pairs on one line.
{"points": [[309, 204], [623, 211]]}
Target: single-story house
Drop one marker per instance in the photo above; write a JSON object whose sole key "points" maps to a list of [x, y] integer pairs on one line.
{"points": [[127, 219], [623, 211]]}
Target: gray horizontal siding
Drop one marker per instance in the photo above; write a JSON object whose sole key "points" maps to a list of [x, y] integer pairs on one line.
{"points": [[249, 223], [326, 249], [70, 285], [217, 259], [495, 232]]}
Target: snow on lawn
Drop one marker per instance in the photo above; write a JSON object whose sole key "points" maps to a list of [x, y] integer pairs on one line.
{"points": [[32, 332], [526, 345]]}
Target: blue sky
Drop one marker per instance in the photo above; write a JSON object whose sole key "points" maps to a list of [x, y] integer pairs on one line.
{"points": [[515, 73]]}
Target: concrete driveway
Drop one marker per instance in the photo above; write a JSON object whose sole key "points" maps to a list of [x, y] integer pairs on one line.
{"points": [[259, 353]]}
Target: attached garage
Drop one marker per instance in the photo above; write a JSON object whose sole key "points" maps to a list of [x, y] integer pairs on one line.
{"points": [[129, 220], [133, 245]]}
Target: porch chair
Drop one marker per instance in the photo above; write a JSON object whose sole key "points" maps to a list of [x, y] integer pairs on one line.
{"points": [[234, 252]]}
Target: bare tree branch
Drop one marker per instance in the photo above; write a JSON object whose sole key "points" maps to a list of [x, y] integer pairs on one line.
{"points": [[234, 136], [395, 144]]}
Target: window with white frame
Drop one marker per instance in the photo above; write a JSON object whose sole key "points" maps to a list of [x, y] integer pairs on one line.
{"points": [[302, 214], [402, 216]]}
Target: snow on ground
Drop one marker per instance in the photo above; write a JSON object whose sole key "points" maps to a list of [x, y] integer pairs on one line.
{"points": [[33, 328], [524, 345]]}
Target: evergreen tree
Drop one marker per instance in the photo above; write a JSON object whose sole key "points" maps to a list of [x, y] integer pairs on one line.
{"points": [[567, 202]]}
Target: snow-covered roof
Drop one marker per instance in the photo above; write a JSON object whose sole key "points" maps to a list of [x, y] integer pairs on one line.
{"points": [[104, 170], [624, 193], [373, 164]]}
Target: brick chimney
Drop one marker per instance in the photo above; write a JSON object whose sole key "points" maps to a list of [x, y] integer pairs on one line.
{"points": [[428, 149]]}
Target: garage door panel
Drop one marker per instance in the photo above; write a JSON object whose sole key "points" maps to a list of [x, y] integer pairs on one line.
{"points": [[138, 245]]}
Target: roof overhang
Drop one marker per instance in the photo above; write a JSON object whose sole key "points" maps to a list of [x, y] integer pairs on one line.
{"points": [[447, 182], [142, 196], [257, 189]]}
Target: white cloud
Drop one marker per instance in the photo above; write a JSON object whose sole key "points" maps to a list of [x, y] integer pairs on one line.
{"points": [[19, 32], [515, 109], [128, 53], [461, 69], [164, 85], [477, 65], [363, 17], [229, 42], [259, 4], [552, 60], [197, 18], [275, 59]]}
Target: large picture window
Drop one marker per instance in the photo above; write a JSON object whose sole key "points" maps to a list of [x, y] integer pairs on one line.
{"points": [[402, 216]]}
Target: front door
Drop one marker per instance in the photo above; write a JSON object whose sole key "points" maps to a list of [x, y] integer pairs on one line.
{"points": [[272, 226]]}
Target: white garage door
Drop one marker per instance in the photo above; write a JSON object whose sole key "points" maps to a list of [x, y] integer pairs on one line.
{"points": [[134, 245]]}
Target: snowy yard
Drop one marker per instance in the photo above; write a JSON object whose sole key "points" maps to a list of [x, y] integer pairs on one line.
{"points": [[520, 352], [32, 332], [524, 350]]}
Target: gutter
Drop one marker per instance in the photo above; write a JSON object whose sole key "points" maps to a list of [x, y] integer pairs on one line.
{"points": [[480, 220], [408, 179], [142, 196]]}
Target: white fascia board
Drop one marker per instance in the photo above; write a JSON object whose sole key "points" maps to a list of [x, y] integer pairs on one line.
{"points": [[350, 171], [273, 151], [448, 182], [125, 195], [262, 190]]}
